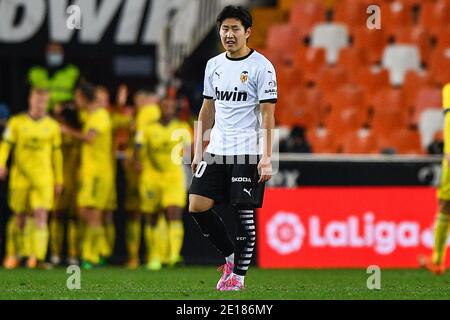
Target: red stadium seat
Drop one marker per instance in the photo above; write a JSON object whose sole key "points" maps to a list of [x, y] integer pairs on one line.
{"points": [[284, 38], [322, 140], [414, 81], [435, 15], [352, 59], [330, 78], [428, 97], [440, 65], [396, 14], [302, 107], [360, 141], [343, 120], [372, 81], [305, 14], [289, 78], [403, 141], [389, 111], [370, 40], [350, 12], [310, 61]]}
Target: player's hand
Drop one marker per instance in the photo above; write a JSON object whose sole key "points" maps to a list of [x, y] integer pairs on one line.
{"points": [[58, 189], [3, 173], [64, 129], [264, 169], [197, 159]]}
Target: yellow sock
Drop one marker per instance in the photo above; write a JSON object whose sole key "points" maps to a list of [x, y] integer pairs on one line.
{"points": [[162, 231], [88, 252], [133, 238], [12, 244], [110, 236], [72, 239], [56, 236], [26, 238], [176, 235], [440, 238], [151, 242], [40, 241]]}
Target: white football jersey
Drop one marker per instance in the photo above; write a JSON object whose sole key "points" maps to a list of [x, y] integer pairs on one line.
{"points": [[238, 86]]}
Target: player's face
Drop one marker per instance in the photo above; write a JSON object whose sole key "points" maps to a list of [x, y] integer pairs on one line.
{"points": [[38, 102], [102, 97], [168, 108], [233, 35]]}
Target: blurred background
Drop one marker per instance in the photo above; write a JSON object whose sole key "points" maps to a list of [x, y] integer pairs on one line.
{"points": [[359, 111]]}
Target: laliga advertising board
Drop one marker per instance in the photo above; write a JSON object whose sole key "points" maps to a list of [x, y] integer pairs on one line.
{"points": [[346, 227]]}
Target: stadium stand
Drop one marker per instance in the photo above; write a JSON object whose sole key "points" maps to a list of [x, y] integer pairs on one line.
{"points": [[340, 77]]}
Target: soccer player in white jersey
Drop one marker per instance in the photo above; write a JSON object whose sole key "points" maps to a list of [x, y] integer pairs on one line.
{"points": [[240, 93]]}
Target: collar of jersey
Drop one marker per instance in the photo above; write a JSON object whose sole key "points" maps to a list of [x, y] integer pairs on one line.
{"points": [[241, 58]]}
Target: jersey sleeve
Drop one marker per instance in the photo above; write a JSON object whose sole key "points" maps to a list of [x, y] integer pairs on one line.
{"points": [[208, 90], [57, 156], [97, 123], [446, 97], [267, 84], [10, 133]]}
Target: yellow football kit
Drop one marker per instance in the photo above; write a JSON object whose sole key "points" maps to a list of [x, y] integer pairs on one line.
{"points": [[37, 162], [97, 170], [162, 179], [444, 188]]}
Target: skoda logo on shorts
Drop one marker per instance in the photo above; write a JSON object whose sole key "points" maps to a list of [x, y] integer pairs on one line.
{"points": [[285, 232], [240, 179]]}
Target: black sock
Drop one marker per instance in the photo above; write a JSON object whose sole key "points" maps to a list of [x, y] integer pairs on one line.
{"points": [[245, 240], [214, 229]]}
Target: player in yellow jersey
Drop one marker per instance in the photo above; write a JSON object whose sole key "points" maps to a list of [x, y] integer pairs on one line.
{"points": [[36, 176], [436, 262], [65, 208], [96, 176], [162, 184]]}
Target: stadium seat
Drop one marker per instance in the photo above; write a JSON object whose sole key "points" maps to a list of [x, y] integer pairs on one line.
{"points": [[301, 106], [440, 65], [417, 36], [310, 61], [389, 111], [322, 140], [306, 14], [330, 79], [352, 59], [360, 141], [398, 59], [403, 141], [370, 40], [443, 37], [288, 78], [348, 95], [350, 12], [434, 15], [427, 98], [263, 18], [372, 80], [332, 37], [414, 81], [431, 121], [396, 14], [343, 120], [284, 38]]}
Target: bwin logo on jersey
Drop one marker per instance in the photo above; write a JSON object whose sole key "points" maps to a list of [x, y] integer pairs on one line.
{"points": [[231, 95]]}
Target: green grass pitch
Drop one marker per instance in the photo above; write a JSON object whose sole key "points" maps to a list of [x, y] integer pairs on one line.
{"points": [[199, 283]]}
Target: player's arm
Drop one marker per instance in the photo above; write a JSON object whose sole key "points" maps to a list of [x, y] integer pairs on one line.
{"points": [[88, 137], [5, 148], [204, 124], [446, 105], [268, 125]]}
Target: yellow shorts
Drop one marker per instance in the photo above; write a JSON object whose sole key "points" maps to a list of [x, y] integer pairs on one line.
{"points": [[162, 190], [23, 200], [95, 192], [112, 200], [444, 187]]}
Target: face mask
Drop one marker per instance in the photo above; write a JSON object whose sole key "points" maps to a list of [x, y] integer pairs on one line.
{"points": [[55, 59]]}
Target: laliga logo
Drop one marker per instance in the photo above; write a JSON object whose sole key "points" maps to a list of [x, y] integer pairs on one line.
{"points": [[285, 232]]}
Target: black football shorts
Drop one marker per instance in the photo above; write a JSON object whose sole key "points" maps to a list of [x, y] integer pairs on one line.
{"points": [[229, 179]]}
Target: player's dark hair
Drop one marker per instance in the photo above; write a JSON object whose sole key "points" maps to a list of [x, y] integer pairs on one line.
{"points": [[88, 91], [237, 12]]}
